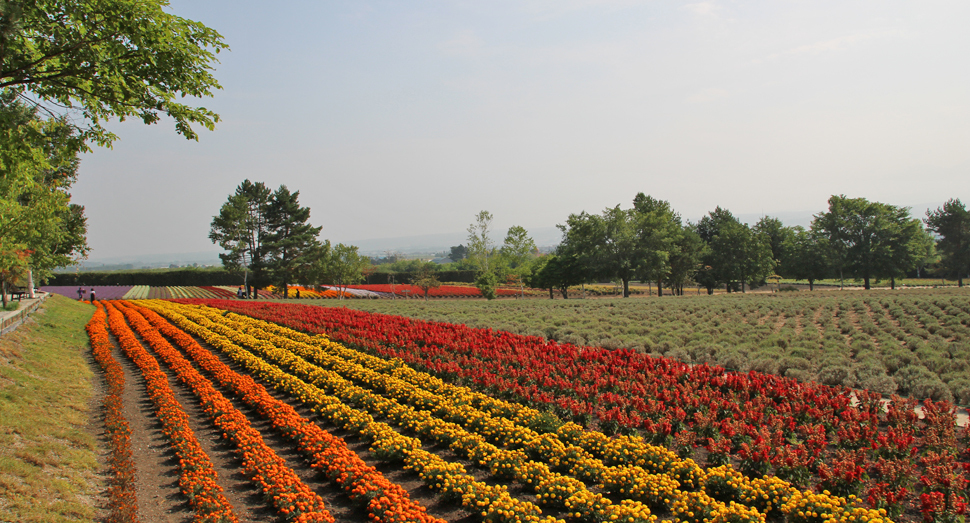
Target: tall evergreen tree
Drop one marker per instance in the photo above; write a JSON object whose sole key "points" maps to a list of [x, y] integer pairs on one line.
{"points": [[241, 228], [291, 241]]}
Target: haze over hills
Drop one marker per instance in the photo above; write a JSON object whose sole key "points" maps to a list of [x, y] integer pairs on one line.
{"points": [[428, 245]]}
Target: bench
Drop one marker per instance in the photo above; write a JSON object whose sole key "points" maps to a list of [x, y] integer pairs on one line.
{"points": [[18, 292]]}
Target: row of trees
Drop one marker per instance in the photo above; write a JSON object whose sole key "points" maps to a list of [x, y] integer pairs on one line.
{"points": [[267, 237], [66, 66], [855, 238]]}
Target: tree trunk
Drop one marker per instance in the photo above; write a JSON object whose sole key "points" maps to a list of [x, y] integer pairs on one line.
{"points": [[660, 287], [551, 295], [866, 279], [960, 281], [811, 285], [626, 288], [710, 291], [3, 293], [892, 282], [30, 284], [565, 292]]}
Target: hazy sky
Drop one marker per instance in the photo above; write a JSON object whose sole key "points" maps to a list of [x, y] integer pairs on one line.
{"points": [[407, 118]]}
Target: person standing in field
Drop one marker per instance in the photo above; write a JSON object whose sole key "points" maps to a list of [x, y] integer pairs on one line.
{"points": [[92, 295], [80, 293]]}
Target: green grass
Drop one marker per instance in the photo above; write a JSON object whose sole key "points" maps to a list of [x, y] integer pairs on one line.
{"points": [[48, 460]]}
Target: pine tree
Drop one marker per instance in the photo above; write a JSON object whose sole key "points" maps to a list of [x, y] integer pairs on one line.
{"points": [[292, 242]]}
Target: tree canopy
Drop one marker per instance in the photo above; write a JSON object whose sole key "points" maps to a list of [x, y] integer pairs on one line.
{"points": [[952, 223], [869, 239], [109, 59]]}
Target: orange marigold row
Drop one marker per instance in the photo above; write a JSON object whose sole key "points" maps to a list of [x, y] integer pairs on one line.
{"points": [[385, 501], [122, 501]]}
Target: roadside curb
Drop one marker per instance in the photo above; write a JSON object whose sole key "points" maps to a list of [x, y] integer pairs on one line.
{"points": [[13, 319]]}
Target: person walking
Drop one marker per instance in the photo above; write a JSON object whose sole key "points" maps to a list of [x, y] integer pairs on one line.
{"points": [[80, 293], [92, 295]]}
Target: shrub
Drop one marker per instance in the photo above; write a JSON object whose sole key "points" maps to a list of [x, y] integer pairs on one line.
{"points": [[960, 388], [836, 375]]}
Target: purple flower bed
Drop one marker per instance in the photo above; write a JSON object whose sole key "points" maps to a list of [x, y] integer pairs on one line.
{"points": [[102, 292]]}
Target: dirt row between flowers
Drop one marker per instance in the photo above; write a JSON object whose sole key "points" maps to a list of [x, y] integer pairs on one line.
{"points": [[157, 466]]}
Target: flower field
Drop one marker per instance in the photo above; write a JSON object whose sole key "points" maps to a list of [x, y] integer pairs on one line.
{"points": [[502, 461], [804, 434], [912, 343]]}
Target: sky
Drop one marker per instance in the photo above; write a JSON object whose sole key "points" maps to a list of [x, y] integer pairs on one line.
{"points": [[398, 119]]}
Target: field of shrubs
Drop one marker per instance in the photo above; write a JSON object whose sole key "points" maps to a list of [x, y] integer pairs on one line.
{"points": [[912, 343]]}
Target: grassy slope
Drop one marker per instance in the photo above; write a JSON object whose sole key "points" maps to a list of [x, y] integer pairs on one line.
{"points": [[48, 460]]}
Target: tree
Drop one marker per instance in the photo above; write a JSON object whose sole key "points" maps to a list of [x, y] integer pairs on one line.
{"points": [[40, 229], [657, 229], [869, 239], [344, 267], [558, 271], [291, 241], [458, 253], [805, 257], [241, 227], [685, 256], [736, 254], [606, 246], [777, 234], [952, 223], [426, 279], [479, 243], [517, 251], [109, 59]]}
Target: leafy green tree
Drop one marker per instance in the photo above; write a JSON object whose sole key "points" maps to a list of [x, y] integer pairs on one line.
{"points": [[109, 59], [425, 278], [242, 228], [517, 251], [736, 254], [558, 271], [344, 267], [777, 234], [952, 223], [926, 253], [684, 260], [291, 242], [39, 228], [657, 230], [605, 245], [487, 283], [805, 257], [869, 239], [480, 245]]}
